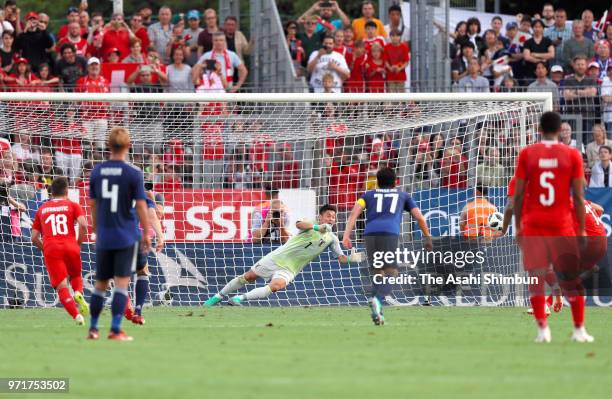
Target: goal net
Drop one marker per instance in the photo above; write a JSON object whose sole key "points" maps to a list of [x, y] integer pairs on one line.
{"points": [[218, 162]]}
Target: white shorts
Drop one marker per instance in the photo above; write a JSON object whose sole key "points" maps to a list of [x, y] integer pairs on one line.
{"points": [[269, 270]]}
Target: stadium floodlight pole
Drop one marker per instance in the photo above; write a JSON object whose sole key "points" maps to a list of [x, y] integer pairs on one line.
{"points": [[544, 97]]}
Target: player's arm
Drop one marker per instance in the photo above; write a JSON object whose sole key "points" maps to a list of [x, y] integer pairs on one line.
{"points": [[143, 215], [94, 214], [420, 219], [350, 225], [82, 223], [598, 209], [305, 225], [354, 257], [36, 239], [578, 197], [157, 227], [508, 210], [519, 196]]}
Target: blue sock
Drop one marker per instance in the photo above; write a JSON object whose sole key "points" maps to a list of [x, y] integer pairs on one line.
{"points": [[120, 296], [96, 304], [142, 289]]}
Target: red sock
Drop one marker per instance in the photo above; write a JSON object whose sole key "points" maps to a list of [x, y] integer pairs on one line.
{"points": [[577, 305], [66, 300], [129, 311], [77, 284], [549, 300], [538, 303]]}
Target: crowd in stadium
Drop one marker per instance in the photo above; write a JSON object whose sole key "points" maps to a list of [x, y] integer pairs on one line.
{"points": [[194, 51]]}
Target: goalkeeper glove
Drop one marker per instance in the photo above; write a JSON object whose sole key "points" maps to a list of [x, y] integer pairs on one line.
{"points": [[322, 228], [356, 257]]}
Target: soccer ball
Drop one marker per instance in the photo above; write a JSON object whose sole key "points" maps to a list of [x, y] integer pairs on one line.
{"points": [[496, 221]]}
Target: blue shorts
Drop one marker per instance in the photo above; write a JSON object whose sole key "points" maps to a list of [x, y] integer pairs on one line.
{"points": [[116, 262]]}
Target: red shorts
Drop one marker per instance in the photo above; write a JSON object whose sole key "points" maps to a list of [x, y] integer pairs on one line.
{"points": [[62, 261], [543, 247], [596, 249]]}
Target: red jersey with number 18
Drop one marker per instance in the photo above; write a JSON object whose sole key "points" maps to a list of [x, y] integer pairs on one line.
{"points": [[548, 168], [55, 220]]}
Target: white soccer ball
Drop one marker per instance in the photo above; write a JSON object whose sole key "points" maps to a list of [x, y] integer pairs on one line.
{"points": [[496, 221]]}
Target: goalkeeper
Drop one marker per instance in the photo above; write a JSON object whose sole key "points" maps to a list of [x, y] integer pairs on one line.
{"points": [[284, 263]]}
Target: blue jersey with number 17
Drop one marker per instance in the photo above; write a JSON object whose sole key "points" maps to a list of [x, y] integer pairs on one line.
{"points": [[116, 185], [384, 209]]}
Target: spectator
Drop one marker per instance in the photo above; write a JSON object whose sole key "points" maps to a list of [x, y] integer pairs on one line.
{"points": [[602, 57], [46, 82], [396, 58], [70, 67], [473, 31], [580, 94], [525, 31], [557, 75], [68, 132], [593, 71], [311, 40], [566, 137], [295, 47], [21, 76], [339, 46], [599, 139], [192, 33], [113, 56], [179, 73], [349, 38], [375, 70], [325, 21], [453, 170], [22, 147], [74, 37], [84, 23], [601, 173], [396, 21], [459, 66], [7, 18], [7, 51], [117, 35], [146, 84], [515, 50], [491, 173], [236, 41], [577, 45], [608, 36], [34, 43], [8, 163], [72, 16], [548, 15], [146, 13], [590, 32], [270, 222], [178, 39], [230, 62], [94, 114], [48, 170], [543, 84], [205, 39], [606, 96], [537, 49], [496, 26], [286, 169], [460, 37], [371, 37], [326, 60], [473, 82], [490, 65], [209, 78], [7, 204], [356, 80], [160, 33], [140, 31], [559, 33], [146, 115], [136, 55], [367, 14]]}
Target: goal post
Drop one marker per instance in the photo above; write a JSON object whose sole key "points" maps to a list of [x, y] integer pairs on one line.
{"points": [[215, 159]]}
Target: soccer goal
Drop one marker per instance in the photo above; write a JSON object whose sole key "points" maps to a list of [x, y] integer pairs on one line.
{"points": [[215, 160]]}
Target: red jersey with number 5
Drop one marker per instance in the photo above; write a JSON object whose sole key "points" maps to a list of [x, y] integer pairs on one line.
{"points": [[55, 219], [548, 169]]}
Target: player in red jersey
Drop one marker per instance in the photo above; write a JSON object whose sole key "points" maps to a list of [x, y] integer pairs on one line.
{"points": [[555, 300], [55, 220], [547, 174], [597, 238]]}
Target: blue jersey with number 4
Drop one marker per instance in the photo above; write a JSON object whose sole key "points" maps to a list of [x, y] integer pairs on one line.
{"points": [[384, 208], [116, 185]]}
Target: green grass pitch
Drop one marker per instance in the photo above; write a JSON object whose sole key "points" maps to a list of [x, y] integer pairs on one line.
{"points": [[317, 352]]}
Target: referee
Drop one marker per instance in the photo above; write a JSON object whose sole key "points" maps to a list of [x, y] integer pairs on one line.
{"points": [[384, 207]]}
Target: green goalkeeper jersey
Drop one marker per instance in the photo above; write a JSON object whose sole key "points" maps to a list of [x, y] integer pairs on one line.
{"points": [[303, 248]]}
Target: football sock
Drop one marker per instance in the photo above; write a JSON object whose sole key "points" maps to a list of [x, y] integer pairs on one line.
{"points": [[142, 289], [538, 303], [120, 296], [549, 300], [96, 303], [577, 306], [129, 311], [234, 285], [67, 301], [258, 293], [77, 284]]}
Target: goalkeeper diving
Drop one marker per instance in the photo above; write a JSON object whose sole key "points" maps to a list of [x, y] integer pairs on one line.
{"points": [[282, 265]]}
